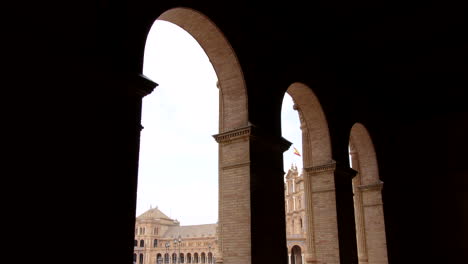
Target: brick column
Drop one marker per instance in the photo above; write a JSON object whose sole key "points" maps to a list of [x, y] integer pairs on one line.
{"points": [[358, 212], [322, 231], [267, 198], [234, 240], [137, 87], [374, 222], [251, 191], [345, 214], [326, 196]]}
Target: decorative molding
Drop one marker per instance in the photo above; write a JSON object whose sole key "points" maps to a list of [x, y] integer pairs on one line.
{"points": [[371, 187], [374, 204], [321, 190], [140, 85], [320, 168], [232, 135], [234, 166], [254, 133], [342, 171]]}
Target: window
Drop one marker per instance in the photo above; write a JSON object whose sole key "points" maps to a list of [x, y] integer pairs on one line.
{"points": [[155, 244], [142, 243]]}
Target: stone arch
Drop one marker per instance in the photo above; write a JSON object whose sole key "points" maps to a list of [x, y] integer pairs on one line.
{"points": [[361, 145], [233, 94], [368, 206], [316, 146], [159, 258], [319, 181], [234, 131], [296, 255]]}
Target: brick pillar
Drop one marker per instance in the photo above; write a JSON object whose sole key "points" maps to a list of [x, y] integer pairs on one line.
{"points": [[345, 214], [138, 86], [374, 222], [251, 190], [370, 224], [329, 207], [267, 198], [322, 239], [234, 240], [358, 212]]}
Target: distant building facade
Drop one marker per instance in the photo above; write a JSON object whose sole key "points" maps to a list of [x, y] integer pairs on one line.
{"points": [[162, 240], [295, 216]]}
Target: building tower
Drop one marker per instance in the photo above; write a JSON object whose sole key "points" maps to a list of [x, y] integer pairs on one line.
{"points": [[295, 216]]}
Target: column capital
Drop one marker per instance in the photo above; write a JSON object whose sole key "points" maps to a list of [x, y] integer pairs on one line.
{"points": [[370, 187], [139, 84], [275, 143], [343, 172], [233, 135], [314, 170], [256, 134]]}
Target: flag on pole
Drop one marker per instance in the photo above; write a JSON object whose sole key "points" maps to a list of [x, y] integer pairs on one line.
{"points": [[296, 152]]}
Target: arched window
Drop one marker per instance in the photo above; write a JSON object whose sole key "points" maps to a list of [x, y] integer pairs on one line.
{"points": [[155, 243], [142, 243], [141, 259], [181, 257], [159, 259], [210, 258], [203, 258], [135, 243], [174, 258], [134, 258], [296, 255], [189, 258], [166, 258], [195, 258]]}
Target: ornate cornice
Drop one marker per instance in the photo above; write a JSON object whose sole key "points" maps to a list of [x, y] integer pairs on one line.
{"points": [[140, 85], [234, 166], [254, 133], [369, 187], [321, 168], [232, 135], [331, 167]]}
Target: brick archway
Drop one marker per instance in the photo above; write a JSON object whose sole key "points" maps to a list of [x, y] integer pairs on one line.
{"points": [[367, 188], [234, 225], [233, 94], [319, 184]]}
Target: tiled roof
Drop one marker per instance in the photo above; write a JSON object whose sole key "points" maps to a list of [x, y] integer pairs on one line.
{"points": [[153, 213], [207, 230]]}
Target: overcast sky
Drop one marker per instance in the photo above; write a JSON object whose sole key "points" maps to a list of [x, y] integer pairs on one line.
{"points": [[178, 170]]}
